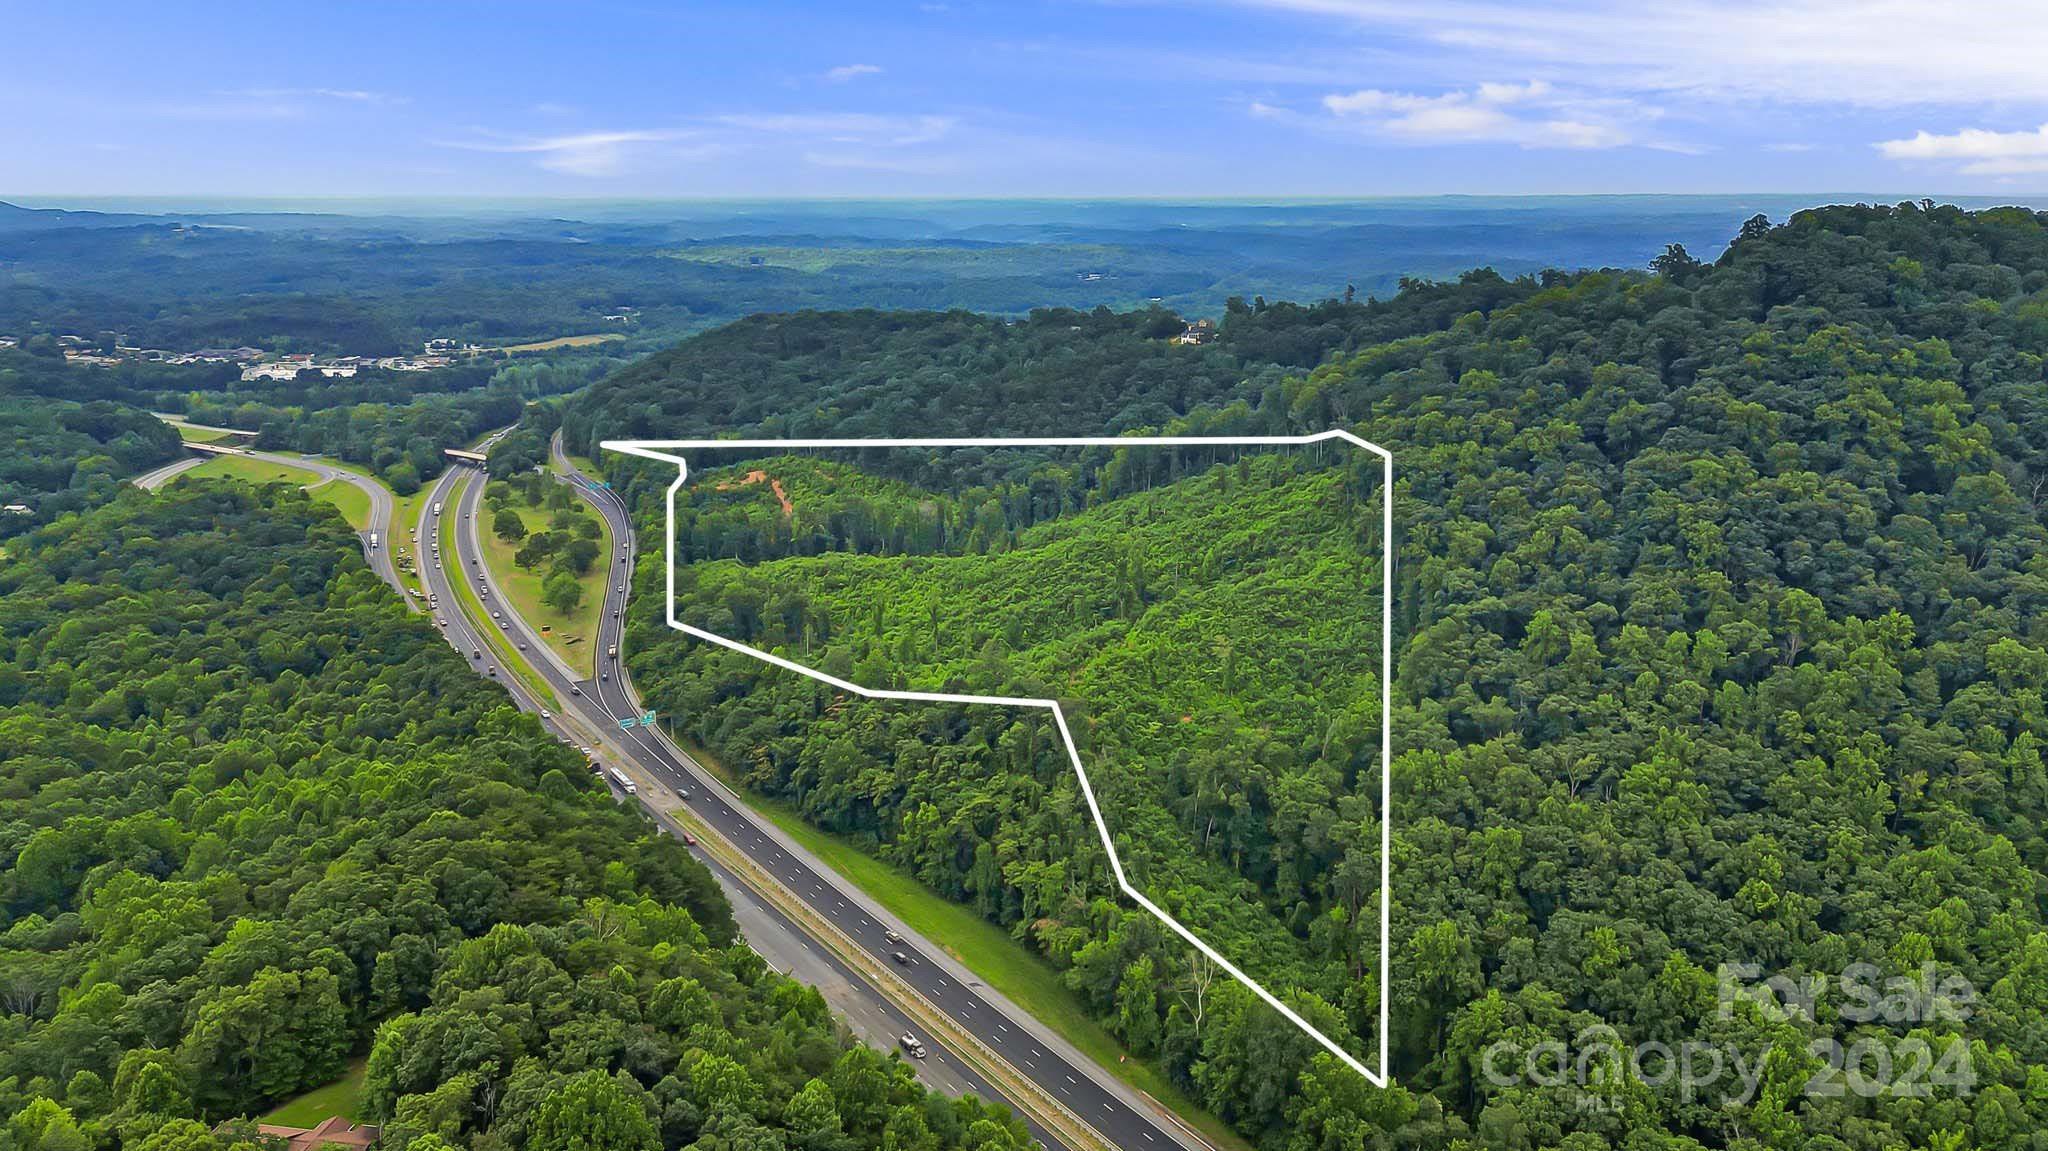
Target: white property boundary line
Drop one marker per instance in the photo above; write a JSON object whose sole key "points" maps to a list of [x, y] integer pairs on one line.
{"points": [[664, 449]]}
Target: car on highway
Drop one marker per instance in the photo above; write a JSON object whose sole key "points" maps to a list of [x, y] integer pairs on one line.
{"points": [[689, 840], [901, 959], [684, 793], [604, 675], [622, 587], [491, 670], [893, 936], [442, 620], [546, 714], [476, 653], [574, 690], [911, 1044]]}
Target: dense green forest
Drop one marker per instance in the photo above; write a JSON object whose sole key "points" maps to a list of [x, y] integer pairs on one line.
{"points": [[62, 450], [1720, 641], [257, 819], [868, 373]]}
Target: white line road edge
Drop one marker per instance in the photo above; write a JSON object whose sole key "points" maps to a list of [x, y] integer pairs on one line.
{"points": [[664, 450]]}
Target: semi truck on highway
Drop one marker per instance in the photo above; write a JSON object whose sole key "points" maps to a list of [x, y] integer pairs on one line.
{"points": [[373, 541]]}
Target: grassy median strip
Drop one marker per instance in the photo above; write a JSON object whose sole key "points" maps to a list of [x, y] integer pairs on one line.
{"points": [[472, 607], [573, 634], [985, 949]]}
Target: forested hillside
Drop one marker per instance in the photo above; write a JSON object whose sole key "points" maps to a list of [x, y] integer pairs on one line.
{"points": [[61, 449], [256, 819], [1054, 372], [1721, 641]]}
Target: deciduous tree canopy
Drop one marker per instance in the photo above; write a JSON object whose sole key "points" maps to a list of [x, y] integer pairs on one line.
{"points": [[1720, 640]]}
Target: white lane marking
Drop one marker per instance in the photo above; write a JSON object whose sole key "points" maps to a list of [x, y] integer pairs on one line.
{"points": [[1071, 1079]]}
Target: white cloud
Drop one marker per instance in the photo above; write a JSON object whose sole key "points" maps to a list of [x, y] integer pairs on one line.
{"points": [[823, 139], [345, 95], [256, 104], [580, 154], [1864, 53], [1531, 115], [1979, 151], [847, 72], [846, 127]]}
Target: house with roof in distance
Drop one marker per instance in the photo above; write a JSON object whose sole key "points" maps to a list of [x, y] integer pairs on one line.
{"points": [[334, 1131]]}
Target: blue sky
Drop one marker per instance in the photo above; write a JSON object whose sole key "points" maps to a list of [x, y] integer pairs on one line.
{"points": [[1069, 98]]}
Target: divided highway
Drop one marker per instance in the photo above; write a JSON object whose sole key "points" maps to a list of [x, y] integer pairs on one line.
{"points": [[1121, 1116], [1124, 1118], [459, 493]]}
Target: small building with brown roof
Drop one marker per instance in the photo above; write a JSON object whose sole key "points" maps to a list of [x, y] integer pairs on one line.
{"points": [[333, 1132]]}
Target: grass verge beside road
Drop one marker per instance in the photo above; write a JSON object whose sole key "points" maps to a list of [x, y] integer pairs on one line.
{"points": [[985, 949], [496, 645], [353, 502], [249, 471]]}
